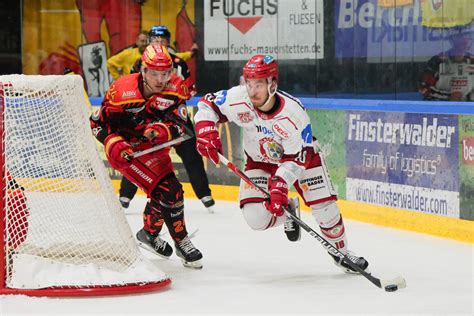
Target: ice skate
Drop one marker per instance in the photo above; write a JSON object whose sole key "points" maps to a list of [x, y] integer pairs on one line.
{"points": [[359, 261], [292, 229], [209, 203], [154, 244], [190, 255]]}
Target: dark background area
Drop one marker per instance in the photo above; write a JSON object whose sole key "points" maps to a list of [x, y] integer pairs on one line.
{"points": [[331, 76], [10, 36], [328, 77]]}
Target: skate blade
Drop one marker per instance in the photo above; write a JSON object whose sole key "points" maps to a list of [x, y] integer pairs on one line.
{"points": [[298, 238], [210, 209], [294, 240], [148, 248], [193, 265], [128, 211]]}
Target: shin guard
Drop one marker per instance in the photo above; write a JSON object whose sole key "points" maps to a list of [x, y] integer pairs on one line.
{"points": [[330, 221], [168, 198], [152, 218]]}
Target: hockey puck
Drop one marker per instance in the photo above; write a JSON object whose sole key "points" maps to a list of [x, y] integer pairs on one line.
{"points": [[391, 288]]}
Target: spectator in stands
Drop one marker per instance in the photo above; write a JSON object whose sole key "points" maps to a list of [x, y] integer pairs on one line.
{"points": [[192, 160], [122, 63], [161, 35], [450, 75]]}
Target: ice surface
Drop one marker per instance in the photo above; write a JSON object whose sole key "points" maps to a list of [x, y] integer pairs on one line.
{"points": [[253, 272]]}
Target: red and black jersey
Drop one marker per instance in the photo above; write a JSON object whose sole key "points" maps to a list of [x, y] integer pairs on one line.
{"points": [[126, 112]]}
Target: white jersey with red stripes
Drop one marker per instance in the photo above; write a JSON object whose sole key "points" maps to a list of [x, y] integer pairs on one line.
{"points": [[277, 138]]}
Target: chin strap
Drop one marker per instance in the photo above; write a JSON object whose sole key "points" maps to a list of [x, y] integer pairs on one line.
{"points": [[270, 93], [145, 84]]}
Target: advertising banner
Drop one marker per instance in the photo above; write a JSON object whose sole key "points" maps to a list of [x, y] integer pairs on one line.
{"points": [[61, 28], [466, 166], [403, 160], [370, 28], [94, 67], [329, 128], [286, 29]]}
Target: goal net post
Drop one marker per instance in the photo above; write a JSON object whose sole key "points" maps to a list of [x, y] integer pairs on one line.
{"points": [[64, 232]]}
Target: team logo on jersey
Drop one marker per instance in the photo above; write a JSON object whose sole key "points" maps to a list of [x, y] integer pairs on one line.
{"points": [[264, 130], [170, 85], [285, 127], [129, 94], [270, 150], [281, 131], [162, 104], [245, 117], [183, 112]]}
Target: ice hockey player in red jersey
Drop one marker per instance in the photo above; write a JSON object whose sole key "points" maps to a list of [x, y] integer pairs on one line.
{"points": [[280, 152], [186, 150], [141, 111]]}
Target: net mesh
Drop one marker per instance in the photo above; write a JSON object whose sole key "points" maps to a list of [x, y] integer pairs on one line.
{"points": [[60, 204]]}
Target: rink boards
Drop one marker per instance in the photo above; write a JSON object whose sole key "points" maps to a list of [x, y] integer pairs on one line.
{"points": [[402, 164]]}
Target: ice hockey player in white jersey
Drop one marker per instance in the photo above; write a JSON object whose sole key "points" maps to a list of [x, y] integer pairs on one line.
{"points": [[280, 152]]}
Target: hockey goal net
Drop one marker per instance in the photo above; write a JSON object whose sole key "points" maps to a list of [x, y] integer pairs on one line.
{"points": [[64, 233]]}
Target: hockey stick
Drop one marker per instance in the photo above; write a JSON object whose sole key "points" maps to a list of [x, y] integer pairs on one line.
{"points": [[158, 147], [388, 285]]}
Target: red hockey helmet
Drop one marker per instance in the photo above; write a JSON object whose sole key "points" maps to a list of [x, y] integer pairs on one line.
{"points": [[157, 57], [261, 66]]}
